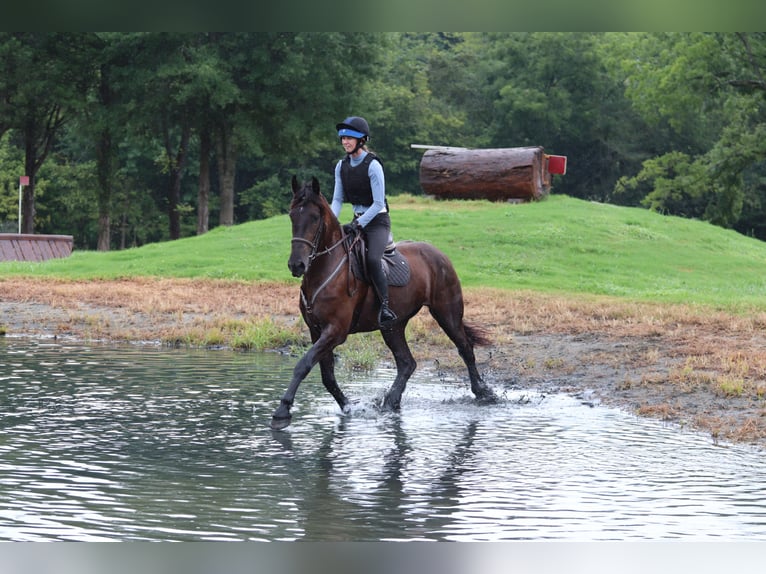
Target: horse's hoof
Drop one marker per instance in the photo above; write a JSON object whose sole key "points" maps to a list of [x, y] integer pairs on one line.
{"points": [[487, 397], [391, 406], [279, 423]]}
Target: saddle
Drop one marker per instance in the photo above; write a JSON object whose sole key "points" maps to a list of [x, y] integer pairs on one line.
{"points": [[395, 265]]}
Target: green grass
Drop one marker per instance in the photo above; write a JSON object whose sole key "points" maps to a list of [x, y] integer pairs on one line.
{"points": [[253, 251], [560, 245], [245, 335]]}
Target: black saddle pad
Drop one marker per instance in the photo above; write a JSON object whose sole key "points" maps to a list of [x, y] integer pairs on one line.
{"points": [[395, 266]]}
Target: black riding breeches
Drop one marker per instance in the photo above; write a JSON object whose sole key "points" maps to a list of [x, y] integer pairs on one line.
{"points": [[377, 233]]}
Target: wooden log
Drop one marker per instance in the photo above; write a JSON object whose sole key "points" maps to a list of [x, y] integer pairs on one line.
{"points": [[499, 174]]}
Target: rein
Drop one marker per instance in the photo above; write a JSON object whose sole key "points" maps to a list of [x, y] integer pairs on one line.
{"points": [[315, 254]]}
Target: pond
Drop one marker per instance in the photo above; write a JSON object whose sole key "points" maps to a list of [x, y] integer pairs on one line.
{"points": [[103, 443]]}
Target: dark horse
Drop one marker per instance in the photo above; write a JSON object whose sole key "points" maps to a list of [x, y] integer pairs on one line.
{"points": [[334, 303]]}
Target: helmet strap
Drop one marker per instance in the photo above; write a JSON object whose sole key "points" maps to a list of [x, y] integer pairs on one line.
{"points": [[359, 144]]}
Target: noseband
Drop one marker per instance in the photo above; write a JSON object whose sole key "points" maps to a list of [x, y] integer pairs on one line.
{"points": [[315, 245]]}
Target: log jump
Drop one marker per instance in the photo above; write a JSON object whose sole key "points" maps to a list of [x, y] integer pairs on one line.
{"points": [[499, 174]]}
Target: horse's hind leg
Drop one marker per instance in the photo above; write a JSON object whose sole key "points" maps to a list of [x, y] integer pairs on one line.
{"points": [[450, 319], [405, 364]]}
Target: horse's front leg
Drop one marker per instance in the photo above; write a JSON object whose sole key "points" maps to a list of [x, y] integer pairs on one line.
{"points": [[327, 365], [321, 348]]}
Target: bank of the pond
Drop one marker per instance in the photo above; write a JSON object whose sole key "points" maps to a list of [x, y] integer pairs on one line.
{"points": [[700, 369]]}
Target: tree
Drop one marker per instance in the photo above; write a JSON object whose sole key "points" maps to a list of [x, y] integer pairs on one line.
{"points": [[284, 93], [44, 79], [101, 121], [154, 75], [552, 90], [710, 90], [170, 123], [412, 98], [11, 160]]}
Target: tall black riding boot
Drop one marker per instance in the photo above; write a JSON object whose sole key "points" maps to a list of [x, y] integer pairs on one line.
{"points": [[386, 316]]}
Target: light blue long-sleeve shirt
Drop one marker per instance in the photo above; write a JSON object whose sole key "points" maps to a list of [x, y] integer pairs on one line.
{"points": [[377, 182]]}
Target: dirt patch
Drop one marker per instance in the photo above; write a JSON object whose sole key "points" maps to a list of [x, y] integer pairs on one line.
{"points": [[693, 367]]}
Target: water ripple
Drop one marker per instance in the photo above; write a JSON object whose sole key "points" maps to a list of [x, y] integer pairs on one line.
{"points": [[134, 443]]}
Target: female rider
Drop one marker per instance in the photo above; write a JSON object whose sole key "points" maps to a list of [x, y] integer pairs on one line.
{"points": [[359, 180]]}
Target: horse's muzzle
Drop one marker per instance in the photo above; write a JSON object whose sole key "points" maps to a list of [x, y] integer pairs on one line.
{"points": [[297, 267]]}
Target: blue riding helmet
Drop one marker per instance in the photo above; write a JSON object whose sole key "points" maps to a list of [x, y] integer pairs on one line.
{"points": [[349, 132], [353, 126]]}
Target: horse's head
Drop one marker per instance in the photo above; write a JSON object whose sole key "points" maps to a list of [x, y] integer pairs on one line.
{"points": [[312, 220]]}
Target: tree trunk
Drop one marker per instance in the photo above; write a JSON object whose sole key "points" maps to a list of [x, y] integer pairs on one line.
{"points": [[123, 230], [174, 194], [203, 193], [174, 187], [105, 165], [494, 174], [28, 210], [104, 169], [38, 140], [28, 207], [227, 162], [104, 231]]}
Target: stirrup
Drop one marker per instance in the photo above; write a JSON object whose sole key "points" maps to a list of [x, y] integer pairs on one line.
{"points": [[386, 316]]}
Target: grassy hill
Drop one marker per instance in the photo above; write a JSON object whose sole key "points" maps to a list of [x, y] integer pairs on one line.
{"points": [[560, 245]]}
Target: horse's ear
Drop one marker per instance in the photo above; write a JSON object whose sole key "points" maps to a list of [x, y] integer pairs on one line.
{"points": [[295, 185], [315, 185]]}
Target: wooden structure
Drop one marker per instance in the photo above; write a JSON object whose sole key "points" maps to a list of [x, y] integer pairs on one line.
{"points": [[25, 247], [500, 174]]}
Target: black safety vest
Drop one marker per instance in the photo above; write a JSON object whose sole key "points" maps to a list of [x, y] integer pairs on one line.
{"points": [[356, 182]]}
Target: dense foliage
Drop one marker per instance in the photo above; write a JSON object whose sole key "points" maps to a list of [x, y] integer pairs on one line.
{"points": [[132, 138]]}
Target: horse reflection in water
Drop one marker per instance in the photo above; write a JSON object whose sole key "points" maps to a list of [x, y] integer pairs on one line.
{"points": [[366, 482], [334, 303]]}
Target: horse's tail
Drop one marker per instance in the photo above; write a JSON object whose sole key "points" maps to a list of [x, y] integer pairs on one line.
{"points": [[477, 335]]}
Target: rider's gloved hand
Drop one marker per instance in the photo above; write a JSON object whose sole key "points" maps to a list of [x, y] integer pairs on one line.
{"points": [[352, 228]]}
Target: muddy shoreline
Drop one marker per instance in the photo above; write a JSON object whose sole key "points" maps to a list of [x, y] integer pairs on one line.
{"points": [[691, 367]]}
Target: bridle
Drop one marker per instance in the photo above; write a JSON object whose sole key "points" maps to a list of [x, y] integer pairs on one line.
{"points": [[315, 245], [315, 253]]}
